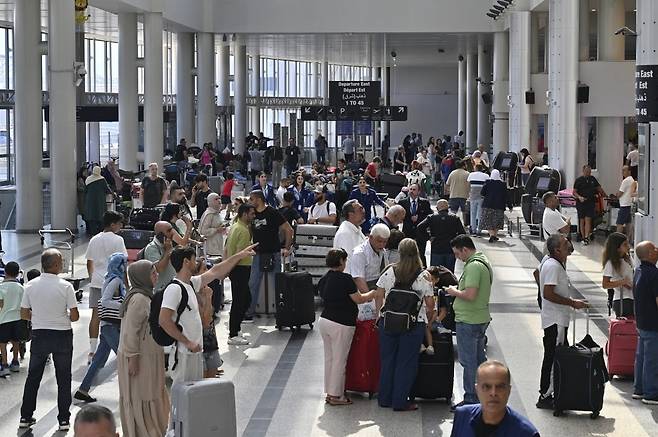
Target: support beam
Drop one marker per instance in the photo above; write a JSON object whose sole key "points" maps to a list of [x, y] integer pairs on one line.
{"points": [[501, 91], [206, 130], [128, 103], [484, 109], [153, 116], [240, 94], [185, 87], [519, 80], [471, 101]]}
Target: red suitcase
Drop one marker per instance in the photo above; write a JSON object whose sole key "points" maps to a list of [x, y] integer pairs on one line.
{"points": [[363, 362], [621, 346]]}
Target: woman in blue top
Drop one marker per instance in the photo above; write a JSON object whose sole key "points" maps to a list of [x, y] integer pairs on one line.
{"points": [[367, 197], [304, 197], [112, 294], [268, 191]]}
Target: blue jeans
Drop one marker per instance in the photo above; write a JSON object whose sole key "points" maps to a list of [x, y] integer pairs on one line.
{"points": [[446, 260], [476, 208], [399, 357], [470, 348], [646, 364], [109, 340], [256, 276], [455, 203]]}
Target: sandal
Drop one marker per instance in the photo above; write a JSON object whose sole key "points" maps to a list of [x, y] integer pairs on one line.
{"points": [[339, 401], [220, 372]]}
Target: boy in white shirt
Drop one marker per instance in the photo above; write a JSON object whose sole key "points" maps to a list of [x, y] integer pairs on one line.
{"points": [[625, 196]]}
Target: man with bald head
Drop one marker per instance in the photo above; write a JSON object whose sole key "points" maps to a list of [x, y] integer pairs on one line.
{"points": [[394, 216], [441, 228], [645, 293], [158, 251]]}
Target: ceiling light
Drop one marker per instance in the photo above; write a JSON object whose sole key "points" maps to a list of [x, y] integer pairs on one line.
{"points": [[494, 16], [498, 8], [504, 3], [593, 10]]}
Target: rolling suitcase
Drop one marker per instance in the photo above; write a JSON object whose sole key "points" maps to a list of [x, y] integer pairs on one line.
{"points": [[204, 408], [266, 297], [579, 376], [135, 238], [621, 345], [315, 235], [144, 218], [295, 300], [435, 376], [566, 197], [363, 362]]}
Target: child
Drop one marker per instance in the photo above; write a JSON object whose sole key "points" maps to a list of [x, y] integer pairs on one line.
{"points": [[434, 275], [211, 359], [12, 329], [227, 188]]}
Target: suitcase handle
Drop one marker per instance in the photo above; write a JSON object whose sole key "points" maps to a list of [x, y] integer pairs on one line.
{"points": [[575, 316]]}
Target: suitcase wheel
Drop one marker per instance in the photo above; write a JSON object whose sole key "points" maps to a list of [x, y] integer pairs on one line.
{"points": [[594, 415], [558, 413], [280, 328], [310, 325], [370, 395]]}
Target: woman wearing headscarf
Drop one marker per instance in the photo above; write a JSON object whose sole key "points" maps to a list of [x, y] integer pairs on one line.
{"points": [[95, 190], [211, 226], [112, 176], [112, 296], [494, 192], [144, 400]]}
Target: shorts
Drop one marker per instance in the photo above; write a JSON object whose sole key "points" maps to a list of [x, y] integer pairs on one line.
{"points": [[226, 200], [211, 361], [586, 209], [624, 216], [94, 297], [14, 331]]}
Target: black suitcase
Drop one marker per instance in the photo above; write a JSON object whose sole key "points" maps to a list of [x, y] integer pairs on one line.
{"points": [[144, 218], [526, 207], [392, 184], [295, 300], [435, 376], [514, 195], [579, 376], [135, 238]]}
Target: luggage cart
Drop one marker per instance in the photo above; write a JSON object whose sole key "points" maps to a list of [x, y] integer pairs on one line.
{"points": [[64, 241]]}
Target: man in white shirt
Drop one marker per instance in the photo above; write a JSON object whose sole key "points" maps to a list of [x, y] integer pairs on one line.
{"points": [[476, 180], [348, 148], [633, 159], [625, 196], [322, 212], [553, 222], [99, 250], [49, 302], [557, 306], [349, 234], [366, 264], [186, 363]]}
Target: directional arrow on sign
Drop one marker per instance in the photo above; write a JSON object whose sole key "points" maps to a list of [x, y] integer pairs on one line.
{"points": [[401, 109], [307, 109]]}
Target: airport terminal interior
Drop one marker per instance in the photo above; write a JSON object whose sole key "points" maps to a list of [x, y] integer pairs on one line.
{"points": [[479, 106]]}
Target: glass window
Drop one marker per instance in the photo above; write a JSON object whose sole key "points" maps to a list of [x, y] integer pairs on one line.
{"points": [[303, 90], [4, 61], [281, 79], [99, 66], [292, 79], [10, 58], [114, 62]]}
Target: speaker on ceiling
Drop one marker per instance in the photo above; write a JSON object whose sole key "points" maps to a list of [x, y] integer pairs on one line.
{"points": [[530, 97], [583, 94], [486, 98]]}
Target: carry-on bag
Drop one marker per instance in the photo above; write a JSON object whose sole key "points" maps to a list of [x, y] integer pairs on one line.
{"points": [[566, 197], [579, 376], [295, 300], [363, 362], [144, 218], [435, 376], [204, 408], [621, 345], [135, 238], [315, 235]]}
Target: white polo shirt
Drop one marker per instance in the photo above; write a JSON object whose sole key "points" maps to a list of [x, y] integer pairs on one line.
{"points": [[50, 298], [348, 237]]}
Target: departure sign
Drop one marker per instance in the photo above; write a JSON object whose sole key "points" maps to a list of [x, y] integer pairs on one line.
{"points": [[354, 94], [357, 113], [646, 93]]}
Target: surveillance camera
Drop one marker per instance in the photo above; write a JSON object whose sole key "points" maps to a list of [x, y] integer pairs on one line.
{"points": [[393, 54], [478, 79], [625, 31], [460, 58]]}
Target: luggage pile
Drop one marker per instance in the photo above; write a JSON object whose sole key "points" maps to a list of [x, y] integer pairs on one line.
{"points": [[312, 243]]}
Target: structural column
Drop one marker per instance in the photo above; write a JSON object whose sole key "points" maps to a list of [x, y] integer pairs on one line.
{"points": [[240, 93], [519, 80], [324, 93], [471, 101], [153, 117], [185, 87], [376, 139], [610, 130], [206, 131], [484, 87], [128, 103], [223, 94], [461, 94], [500, 92], [61, 56], [583, 56], [255, 86], [27, 114], [562, 85], [314, 92]]}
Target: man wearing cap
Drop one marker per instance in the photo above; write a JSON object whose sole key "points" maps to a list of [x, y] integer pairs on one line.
{"points": [[322, 212]]}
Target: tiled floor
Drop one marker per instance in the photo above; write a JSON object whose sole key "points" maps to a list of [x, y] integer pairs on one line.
{"points": [[279, 378]]}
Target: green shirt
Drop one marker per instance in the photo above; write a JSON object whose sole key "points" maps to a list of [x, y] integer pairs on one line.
{"points": [[11, 294], [239, 238], [477, 274]]}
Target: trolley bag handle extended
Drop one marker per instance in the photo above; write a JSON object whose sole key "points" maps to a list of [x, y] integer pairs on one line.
{"points": [[575, 316]]}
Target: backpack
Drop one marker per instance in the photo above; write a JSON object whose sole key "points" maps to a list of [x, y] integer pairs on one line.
{"points": [[401, 308], [159, 334]]}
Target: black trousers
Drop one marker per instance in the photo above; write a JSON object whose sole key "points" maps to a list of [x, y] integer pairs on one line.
{"points": [[241, 294], [550, 342], [60, 345]]}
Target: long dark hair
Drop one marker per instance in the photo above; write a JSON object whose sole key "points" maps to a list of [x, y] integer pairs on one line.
{"points": [[611, 251]]}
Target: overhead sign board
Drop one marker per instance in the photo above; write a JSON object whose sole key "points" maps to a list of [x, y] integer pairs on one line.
{"points": [[354, 93], [333, 113], [646, 93]]}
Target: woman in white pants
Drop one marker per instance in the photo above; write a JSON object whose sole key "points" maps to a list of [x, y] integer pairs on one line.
{"points": [[337, 323]]}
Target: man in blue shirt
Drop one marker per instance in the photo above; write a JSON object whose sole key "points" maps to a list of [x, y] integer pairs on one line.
{"points": [[492, 417]]}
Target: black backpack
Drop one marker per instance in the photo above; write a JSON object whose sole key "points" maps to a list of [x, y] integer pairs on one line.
{"points": [[401, 308], [159, 334]]}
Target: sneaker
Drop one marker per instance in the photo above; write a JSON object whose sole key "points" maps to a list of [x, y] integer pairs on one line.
{"points": [[248, 319], [585, 241], [429, 350], [27, 422], [237, 341], [545, 402], [422, 348], [650, 401], [14, 366], [84, 397], [637, 396], [64, 425], [4, 371]]}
